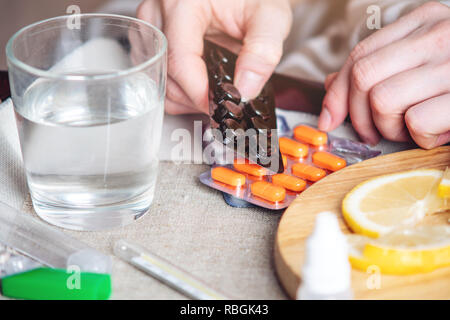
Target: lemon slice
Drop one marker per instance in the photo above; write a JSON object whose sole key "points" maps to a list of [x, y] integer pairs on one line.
{"points": [[382, 204], [402, 251], [444, 185]]}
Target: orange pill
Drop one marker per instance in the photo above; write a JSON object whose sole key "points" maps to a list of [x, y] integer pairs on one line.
{"points": [[228, 176], [289, 182], [328, 161], [243, 165], [268, 191], [308, 172], [310, 135], [293, 148]]}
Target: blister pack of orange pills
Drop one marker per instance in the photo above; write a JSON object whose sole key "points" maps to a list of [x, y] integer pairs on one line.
{"points": [[308, 156]]}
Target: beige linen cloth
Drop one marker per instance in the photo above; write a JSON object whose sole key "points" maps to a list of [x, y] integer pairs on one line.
{"points": [[188, 223]]}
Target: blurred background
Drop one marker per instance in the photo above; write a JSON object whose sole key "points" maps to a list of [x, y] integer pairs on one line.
{"points": [[15, 14]]}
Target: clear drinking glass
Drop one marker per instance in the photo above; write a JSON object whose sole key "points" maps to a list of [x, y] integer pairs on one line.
{"points": [[89, 104]]}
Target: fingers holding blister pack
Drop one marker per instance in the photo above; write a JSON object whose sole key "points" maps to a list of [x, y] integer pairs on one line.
{"points": [[270, 170]]}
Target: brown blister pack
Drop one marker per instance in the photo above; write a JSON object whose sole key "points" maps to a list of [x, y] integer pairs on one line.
{"points": [[249, 127]]}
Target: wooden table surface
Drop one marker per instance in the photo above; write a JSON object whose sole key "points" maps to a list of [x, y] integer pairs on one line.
{"points": [[326, 195]]}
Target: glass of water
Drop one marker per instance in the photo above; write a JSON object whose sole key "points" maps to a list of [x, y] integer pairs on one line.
{"points": [[88, 94]]}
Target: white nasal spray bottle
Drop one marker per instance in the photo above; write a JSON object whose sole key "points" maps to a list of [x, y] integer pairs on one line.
{"points": [[326, 271]]}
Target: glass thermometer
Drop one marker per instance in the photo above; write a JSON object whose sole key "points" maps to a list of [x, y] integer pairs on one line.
{"points": [[164, 271]]}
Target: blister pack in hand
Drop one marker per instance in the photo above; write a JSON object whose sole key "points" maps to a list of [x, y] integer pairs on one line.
{"points": [[248, 127]]}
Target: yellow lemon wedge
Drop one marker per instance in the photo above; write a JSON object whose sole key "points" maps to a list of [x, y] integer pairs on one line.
{"points": [[444, 185], [385, 203], [402, 251]]}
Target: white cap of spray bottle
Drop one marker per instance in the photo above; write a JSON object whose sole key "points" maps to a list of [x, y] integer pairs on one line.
{"points": [[326, 271]]}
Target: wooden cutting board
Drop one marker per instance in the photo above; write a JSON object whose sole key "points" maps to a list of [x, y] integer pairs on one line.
{"points": [[326, 195]]}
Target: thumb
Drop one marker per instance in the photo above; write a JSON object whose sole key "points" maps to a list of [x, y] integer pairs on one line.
{"points": [[262, 48]]}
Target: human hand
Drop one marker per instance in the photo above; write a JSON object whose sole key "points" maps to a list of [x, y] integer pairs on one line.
{"points": [[261, 25], [396, 82]]}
